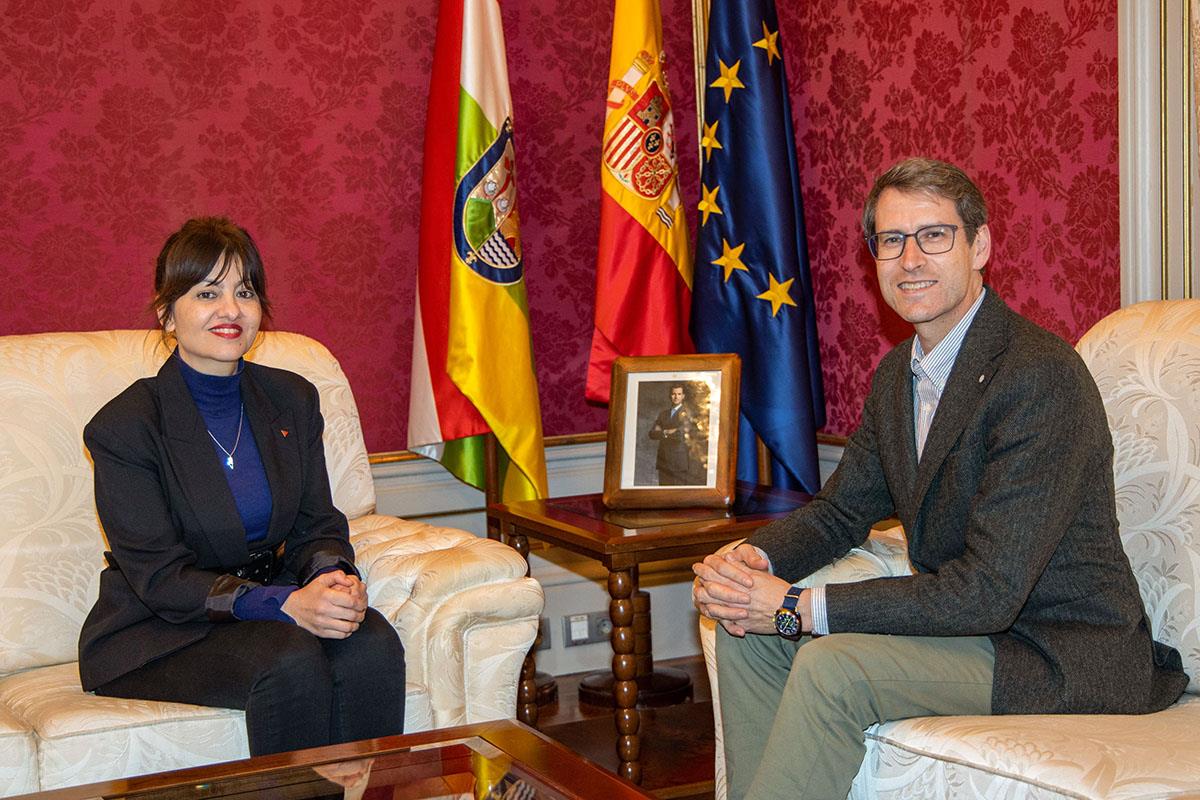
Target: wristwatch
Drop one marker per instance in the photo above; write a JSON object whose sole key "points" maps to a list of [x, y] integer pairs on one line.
{"points": [[787, 621]]}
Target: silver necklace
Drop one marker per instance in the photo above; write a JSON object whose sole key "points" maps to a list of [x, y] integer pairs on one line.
{"points": [[229, 453]]}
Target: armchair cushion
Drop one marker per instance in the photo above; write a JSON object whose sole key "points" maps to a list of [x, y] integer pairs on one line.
{"points": [[1039, 756], [81, 736]]}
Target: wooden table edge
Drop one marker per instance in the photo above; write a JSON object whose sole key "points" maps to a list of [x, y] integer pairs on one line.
{"points": [[578, 539], [528, 746]]}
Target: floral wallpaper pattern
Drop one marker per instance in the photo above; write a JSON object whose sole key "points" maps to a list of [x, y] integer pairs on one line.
{"points": [[1023, 95], [304, 121]]}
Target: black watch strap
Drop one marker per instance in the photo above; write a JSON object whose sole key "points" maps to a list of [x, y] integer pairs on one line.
{"points": [[787, 621]]}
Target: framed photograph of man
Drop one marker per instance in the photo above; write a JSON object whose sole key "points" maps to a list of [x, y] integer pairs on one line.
{"points": [[672, 431]]}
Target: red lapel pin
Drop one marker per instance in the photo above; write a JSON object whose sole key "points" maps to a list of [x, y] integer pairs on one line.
{"points": [[284, 431]]}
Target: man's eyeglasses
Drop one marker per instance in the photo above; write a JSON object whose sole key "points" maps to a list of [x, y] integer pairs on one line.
{"points": [[932, 239]]}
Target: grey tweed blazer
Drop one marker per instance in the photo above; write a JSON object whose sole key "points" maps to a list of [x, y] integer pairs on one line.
{"points": [[1011, 525]]}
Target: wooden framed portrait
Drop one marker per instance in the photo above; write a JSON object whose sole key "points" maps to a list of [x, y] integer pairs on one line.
{"points": [[672, 431]]}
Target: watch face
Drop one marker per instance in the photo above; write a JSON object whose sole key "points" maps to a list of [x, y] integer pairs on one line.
{"points": [[787, 623]]}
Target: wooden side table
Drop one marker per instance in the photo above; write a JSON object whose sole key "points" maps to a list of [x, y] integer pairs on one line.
{"points": [[621, 540]]}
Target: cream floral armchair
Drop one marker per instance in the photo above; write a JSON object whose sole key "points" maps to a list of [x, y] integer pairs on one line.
{"points": [[1146, 361], [464, 608]]}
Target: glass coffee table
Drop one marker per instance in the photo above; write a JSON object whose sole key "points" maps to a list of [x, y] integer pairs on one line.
{"points": [[502, 760]]}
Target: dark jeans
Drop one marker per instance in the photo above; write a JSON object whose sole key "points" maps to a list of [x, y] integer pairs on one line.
{"points": [[298, 690]]}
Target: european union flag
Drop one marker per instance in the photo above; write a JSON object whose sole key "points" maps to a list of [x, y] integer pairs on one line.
{"points": [[752, 293]]}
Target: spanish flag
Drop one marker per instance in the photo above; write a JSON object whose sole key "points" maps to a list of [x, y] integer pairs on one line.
{"points": [[472, 356], [644, 265]]}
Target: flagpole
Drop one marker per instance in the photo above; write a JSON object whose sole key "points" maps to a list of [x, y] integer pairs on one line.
{"points": [[492, 488], [699, 49], [764, 462]]}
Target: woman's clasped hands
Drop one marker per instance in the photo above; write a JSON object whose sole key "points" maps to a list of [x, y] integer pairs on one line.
{"points": [[331, 605]]}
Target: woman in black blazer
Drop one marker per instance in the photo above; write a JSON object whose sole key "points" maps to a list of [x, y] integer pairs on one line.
{"points": [[230, 578]]}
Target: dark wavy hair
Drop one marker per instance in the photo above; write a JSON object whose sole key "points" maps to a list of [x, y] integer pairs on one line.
{"points": [[190, 254]]}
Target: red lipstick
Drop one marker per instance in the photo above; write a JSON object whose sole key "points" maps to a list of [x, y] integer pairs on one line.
{"points": [[229, 331]]}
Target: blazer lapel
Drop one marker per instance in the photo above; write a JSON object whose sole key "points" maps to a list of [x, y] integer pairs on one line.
{"points": [[192, 457], [278, 444], [897, 436], [973, 369]]}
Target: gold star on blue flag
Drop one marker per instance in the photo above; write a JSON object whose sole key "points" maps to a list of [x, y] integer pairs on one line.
{"points": [[765, 312]]}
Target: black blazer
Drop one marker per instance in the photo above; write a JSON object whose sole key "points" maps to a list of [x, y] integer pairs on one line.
{"points": [[173, 530], [1011, 525]]}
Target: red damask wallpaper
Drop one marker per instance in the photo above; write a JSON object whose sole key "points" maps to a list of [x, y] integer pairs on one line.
{"points": [[1023, 95], [303, 120]]}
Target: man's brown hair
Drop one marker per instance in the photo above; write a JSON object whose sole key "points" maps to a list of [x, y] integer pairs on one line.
{"points": [[936, 178]]}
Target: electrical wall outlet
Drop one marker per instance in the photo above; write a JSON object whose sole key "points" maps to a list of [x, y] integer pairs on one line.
{"points": [[586, 628]]}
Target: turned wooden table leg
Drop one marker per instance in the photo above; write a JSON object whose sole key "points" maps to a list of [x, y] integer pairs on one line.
{"points": [[527, 707], [621, 586]]}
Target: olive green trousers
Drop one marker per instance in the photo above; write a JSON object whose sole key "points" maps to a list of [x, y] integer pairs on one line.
{"points": [[794, 712]]}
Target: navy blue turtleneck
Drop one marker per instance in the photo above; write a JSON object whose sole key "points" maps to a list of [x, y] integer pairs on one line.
{"points": [[219, 400]]}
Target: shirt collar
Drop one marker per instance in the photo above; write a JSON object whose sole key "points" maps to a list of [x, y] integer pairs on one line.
{"points": [[937, 363]]}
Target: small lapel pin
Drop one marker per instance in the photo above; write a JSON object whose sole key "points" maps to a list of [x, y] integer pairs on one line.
{"points": [[284, 431]]}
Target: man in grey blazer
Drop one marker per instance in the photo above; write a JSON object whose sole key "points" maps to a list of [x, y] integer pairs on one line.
{"points": [[985, 435]]}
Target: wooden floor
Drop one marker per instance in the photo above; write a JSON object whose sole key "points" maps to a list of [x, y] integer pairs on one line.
{"points": [[677, 741]]}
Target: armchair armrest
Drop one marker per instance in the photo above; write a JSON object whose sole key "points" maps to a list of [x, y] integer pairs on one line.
{"points": [[463, 607], [883, 554]]}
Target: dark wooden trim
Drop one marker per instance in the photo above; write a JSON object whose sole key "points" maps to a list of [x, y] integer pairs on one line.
{"points": [[561, 440], [829, 438], [565, 439]]}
